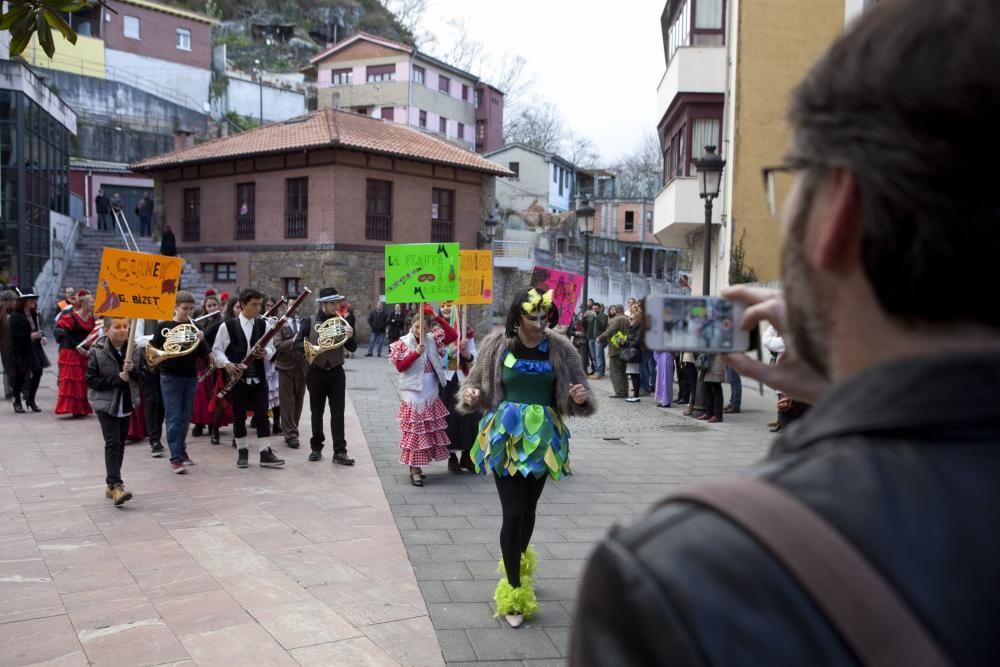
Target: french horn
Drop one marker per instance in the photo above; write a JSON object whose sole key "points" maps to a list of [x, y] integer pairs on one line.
{"points": [[180, 340], [332, 334]]}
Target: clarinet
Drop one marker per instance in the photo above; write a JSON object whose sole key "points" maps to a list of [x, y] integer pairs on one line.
{"points": [[211, 364], [264, 340]]}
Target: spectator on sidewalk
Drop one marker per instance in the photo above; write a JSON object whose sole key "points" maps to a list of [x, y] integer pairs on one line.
{"points": [[632, 352], [596, 326], [664, 388], [714, 376], [8, 301], [735, 391], [144, 211], [103, 208], [615, 336], [396, 325], [898, 459], [168, 242], [378, 319]]}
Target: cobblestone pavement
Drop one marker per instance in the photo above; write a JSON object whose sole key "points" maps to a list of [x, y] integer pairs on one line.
{"points": [[624, 458]]}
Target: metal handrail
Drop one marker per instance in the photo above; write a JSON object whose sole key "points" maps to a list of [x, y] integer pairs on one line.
{"points": [[126, 232]]}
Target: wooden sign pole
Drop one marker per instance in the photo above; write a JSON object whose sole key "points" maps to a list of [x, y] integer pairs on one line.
{"points": [[131, 339]]}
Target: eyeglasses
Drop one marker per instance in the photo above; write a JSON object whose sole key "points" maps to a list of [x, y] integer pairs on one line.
{"points": [[777, 183]]}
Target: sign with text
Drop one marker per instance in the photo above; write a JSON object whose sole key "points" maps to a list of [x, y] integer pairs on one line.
{"points": [[416, 272], [137, 284], [475, 278], [566, 289]]}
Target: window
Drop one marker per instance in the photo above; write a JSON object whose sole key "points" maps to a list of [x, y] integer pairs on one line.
{"points": [[183, 39], [292, 286], [130, 26], [221, 272], [461, 130], [555, 174], [245, 204], [341, 77], [192, 214], [423, 119], [479, 97], [443, 125], [561, 246], [380, 73], [388, 113], [442, 216], [516, 168], [296, 208], [444, 85], [419, 75], [465, 92], [708, 15], [629, 221], [378, 210], [704, 132]]}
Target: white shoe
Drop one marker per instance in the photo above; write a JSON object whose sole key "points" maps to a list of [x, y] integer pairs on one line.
{"points": [[514, 620], [632, 399]]}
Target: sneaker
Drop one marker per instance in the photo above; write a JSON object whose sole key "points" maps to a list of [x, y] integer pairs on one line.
{"points": [[343, 459], [177, 467], [186, 460], [268, 459], [156, 450], [632, 399], [241, 458], [120, 495], [369, 354]]}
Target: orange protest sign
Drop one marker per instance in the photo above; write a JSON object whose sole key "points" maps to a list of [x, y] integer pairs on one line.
{"points": [[475, 276], [137, 284]]}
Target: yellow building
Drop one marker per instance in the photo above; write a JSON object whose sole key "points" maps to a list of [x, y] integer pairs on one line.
{"points": [[730, 65]]}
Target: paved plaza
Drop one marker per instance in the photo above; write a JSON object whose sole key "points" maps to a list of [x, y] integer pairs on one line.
{"points": [[314, 564]]}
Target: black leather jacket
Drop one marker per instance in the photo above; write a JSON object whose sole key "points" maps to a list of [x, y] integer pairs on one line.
{"points": [[903, 459]]}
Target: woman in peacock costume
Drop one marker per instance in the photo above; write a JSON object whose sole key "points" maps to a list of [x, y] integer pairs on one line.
{"points": [[526, 380]]}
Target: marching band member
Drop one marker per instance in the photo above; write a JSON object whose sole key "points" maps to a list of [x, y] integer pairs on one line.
{"points": [[326, 381], [292, 368], [178, 382], [76, 325], [422, 416], [457, 358], [114, 393], [201, 415], [235, 339], [26, 353]]}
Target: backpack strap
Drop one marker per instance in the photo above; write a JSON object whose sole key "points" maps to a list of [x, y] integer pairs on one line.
{"points": [[869, 614]]}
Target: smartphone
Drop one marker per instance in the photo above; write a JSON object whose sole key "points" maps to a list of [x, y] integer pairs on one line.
{"points": [[694, 324]]}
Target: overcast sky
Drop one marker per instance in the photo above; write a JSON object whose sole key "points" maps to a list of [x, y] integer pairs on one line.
{"points": [[599, 62]]}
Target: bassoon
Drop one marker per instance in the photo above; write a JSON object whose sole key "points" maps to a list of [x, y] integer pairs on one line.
{"points": [[262, 343], [211, 363]]}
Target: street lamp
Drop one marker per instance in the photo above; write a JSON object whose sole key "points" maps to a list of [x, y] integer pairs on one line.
{"points": [[585, 224], [491, 228], [709, 178]]}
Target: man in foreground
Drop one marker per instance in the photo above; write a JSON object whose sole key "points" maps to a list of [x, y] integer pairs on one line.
{"points": [[901, 451]]}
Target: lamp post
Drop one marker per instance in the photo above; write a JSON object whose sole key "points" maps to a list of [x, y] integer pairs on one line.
{"points": [[260, 84], [709, 178], [585, 224]]}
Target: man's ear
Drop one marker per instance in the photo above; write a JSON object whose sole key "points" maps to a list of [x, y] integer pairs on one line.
{"points": [[838, 234]]}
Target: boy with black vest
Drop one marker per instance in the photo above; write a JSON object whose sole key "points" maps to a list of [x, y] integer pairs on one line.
{"points": [[326, 381], [232, 343]]}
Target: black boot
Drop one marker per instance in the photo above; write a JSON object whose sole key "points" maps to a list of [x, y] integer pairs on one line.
{"points": [[215, 434], [198, 430], [18, 408], [30, 403]]}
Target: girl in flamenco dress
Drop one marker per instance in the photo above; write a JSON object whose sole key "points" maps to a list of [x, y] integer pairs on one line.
{"points": [[422, 416], [76, 325], [527, 379]]}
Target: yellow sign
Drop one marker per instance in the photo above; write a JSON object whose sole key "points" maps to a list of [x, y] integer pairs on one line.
{"points": [[475, 276], [137, 284]]}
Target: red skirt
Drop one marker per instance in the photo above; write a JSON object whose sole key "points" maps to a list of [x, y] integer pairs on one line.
{"points": [[204, 405], [137, 425], [72, 384], [214, 383]]}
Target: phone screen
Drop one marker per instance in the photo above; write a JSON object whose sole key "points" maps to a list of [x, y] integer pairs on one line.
{"points": [[693, 323]]}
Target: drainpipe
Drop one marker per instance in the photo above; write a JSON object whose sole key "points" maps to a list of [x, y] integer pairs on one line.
{"points": [[86, 194], [409, 91]]}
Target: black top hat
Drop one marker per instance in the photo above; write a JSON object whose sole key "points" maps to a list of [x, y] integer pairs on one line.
{"points": [[329, 294], [26, 293]]}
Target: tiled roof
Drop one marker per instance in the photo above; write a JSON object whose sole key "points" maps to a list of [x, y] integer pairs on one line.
{"points": [[366, 36], [176, 11], [328, 128]]}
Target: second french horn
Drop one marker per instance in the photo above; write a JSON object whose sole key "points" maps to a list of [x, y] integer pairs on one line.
{"points": [[332, 333], [179, 341]]}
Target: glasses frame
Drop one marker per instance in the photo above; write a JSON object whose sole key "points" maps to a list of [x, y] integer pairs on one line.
{"points": [[770, 196]]}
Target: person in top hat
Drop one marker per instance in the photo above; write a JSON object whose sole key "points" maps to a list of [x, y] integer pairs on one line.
{"points": [[26, 354], [233, 342], [326, 381]]}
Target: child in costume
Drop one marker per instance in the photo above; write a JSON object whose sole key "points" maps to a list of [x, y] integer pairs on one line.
{"points": [[422, 416], [527, 379]]}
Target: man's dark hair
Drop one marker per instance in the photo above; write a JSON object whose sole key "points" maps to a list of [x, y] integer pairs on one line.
{"points": [[908, 101], [249, 294]]}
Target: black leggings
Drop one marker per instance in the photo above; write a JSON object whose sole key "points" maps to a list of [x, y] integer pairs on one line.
{"points": [[518, 497], [634, 377]]}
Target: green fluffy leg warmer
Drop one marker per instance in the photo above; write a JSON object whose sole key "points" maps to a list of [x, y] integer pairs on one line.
{"points": [[510, 600], [529, 561]]}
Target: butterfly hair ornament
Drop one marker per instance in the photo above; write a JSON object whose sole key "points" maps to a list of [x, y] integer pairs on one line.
{"points": [[537, 301]]}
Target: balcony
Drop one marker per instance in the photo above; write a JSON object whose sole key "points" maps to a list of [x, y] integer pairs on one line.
{"points": [[513, 255], [693, 69], [679, 210], [378, 227], [245, 228], [296, 225]]}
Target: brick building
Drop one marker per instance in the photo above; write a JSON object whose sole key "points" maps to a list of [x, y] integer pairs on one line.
{"points": [[312, 201]]}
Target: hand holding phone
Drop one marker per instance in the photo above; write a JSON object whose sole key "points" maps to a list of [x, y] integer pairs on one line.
{"points": [[791, 375]]}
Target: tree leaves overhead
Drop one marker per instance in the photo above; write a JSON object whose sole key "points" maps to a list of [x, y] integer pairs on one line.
{"points": [[27, 18]]}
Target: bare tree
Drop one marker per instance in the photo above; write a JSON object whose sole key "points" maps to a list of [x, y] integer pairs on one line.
{"points": [[639, 173], [410, 15], [538, 126], [464, 52], [581, 151]]}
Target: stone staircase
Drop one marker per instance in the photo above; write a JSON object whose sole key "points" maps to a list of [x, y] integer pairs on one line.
{"points": [[85, 263]]}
